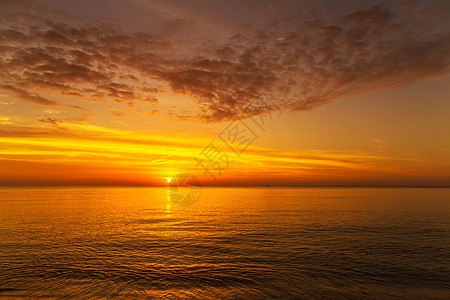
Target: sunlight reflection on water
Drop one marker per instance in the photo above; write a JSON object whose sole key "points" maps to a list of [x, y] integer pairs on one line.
{"points": [[233, 243]]}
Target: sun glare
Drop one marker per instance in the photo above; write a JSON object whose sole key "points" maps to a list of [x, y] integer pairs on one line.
{"points": [[169, 179]]}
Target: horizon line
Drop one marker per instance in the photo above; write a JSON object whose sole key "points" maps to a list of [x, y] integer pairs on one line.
{"points": [[206, 185]]}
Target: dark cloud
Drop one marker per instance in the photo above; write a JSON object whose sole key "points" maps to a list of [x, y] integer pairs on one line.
{"points": [[52, 121], [366, 19], [118, 113], [299, 59]]}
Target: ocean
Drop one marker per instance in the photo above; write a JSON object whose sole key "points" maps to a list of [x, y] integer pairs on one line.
{"points": [[230, 243]]}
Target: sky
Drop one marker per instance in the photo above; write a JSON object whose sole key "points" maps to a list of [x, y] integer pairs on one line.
{"points": [[242, 92]]}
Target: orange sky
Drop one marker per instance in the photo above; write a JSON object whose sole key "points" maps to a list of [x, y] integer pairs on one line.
{"points": [[109, 101]]}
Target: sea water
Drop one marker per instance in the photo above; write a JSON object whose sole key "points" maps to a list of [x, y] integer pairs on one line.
{"points": [[231, 243]]}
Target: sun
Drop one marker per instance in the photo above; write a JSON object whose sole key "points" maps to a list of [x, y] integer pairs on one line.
{"points": [[169, 179]]}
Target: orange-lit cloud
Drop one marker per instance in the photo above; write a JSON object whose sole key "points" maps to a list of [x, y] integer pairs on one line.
{"points": [[94, 155], [300, 60]]}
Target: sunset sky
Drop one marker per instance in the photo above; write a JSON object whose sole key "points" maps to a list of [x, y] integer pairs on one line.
{"points": [[242, 92]]}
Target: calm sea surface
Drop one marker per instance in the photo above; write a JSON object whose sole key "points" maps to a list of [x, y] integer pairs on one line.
{"points": [[238, 243]]}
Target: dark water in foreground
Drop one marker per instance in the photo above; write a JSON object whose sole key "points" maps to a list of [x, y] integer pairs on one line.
{"points": [[241, 243]]}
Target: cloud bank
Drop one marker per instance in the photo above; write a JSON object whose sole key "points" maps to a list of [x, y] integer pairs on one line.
{"points": [[299, 58]]}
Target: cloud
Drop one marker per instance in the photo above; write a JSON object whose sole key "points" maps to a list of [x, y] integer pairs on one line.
{"points": [[52, 121], [300, 59], [6, 103], [29, 97], [36, 99], [118, 114], [5, 121]]}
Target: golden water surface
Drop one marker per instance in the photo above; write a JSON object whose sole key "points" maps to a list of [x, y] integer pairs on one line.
{"points": [[239, 243]]}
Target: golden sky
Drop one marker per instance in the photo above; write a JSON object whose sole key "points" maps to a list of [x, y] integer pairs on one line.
{"points": [[245, 92]]}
